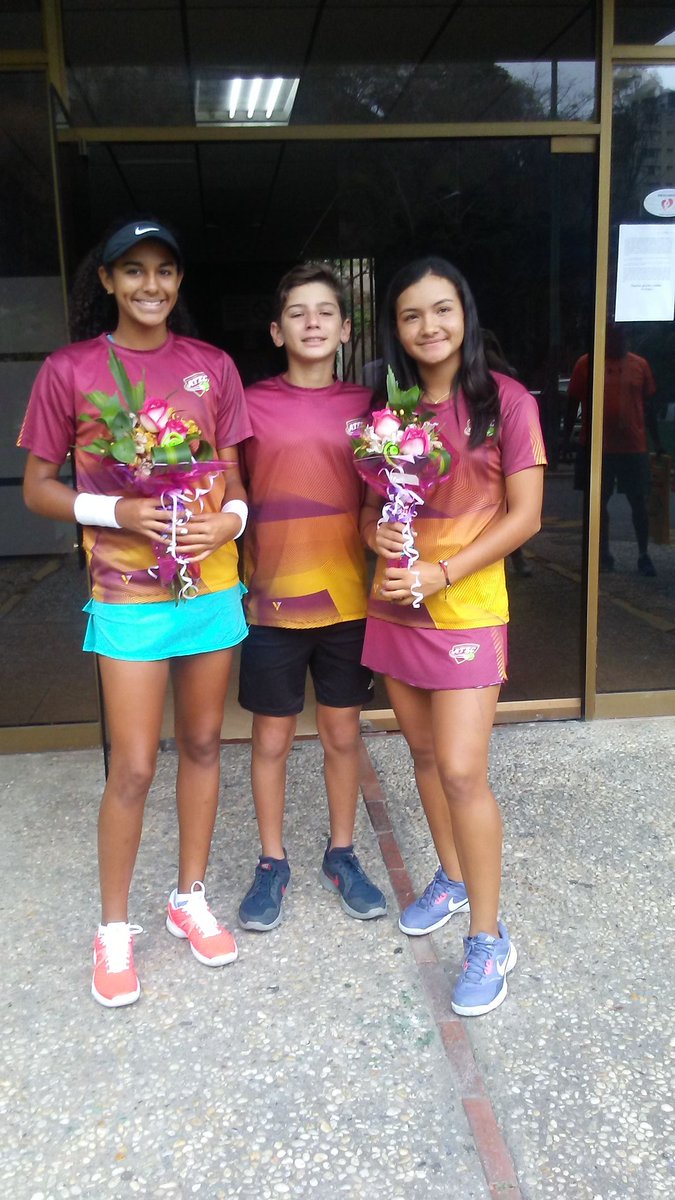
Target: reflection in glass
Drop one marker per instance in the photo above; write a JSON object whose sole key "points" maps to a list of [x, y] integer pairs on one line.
{"points": [[369, 93], [637, 590], [362, 64], [629, 414], [21, 25], [564, 90], [644, 24], [452, 91], [42, 586], [244, 101], [478, 202]]}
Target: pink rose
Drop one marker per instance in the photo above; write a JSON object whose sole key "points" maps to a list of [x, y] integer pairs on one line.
{"points": [[155, 414], [174, 432], [385, 423], [177, 427], [415, 442]]}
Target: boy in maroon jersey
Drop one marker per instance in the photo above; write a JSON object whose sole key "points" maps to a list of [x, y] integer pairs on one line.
{"points": [[306, 576]]}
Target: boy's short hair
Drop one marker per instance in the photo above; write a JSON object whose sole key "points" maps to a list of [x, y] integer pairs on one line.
{"points": [[309, 272]]}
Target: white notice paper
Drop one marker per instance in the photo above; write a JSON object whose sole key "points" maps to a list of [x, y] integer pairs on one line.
{"points": [[645, 280]]}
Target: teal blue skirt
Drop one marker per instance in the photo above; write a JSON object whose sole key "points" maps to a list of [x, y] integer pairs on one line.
{"points": [[148, 632]]}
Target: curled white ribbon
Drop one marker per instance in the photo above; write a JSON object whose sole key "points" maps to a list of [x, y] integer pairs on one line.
{"points": [[177, 501], [402, 507]]}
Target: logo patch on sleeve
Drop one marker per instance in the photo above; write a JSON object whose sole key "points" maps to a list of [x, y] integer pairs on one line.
{"points": [[199, 383]]}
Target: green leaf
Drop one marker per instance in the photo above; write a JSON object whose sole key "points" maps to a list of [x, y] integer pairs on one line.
{"points": [[109, 407], [172, 454], [401, 401], [204, 452], [124, 451], [137, 395], [444, 460], [409, 399], [392, 388], [98, 446], [102, 400], [121, 423], [119, 374]]}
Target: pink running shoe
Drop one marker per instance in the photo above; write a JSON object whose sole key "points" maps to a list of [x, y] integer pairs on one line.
{"points": [[115, 981], [210, 943]]}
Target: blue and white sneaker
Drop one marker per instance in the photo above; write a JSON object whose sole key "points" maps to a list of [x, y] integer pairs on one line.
{"points": [[342, 872], [261, 907], [440, 900], [482, 982]]}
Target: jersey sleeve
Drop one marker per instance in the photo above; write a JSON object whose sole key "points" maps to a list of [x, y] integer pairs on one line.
{"points": [[48, 427], [521, 439], [232, 421]]}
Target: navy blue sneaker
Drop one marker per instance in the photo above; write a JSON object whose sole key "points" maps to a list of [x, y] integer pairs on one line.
{"points": [[482, 982], [261, 907], [440, 900], [342, 872]]}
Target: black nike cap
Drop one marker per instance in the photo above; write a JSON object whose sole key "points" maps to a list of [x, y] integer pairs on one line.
{"points": [[138, 231]]}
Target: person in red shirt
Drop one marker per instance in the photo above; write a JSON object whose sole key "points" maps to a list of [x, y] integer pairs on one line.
{"points": [[628, 414]]}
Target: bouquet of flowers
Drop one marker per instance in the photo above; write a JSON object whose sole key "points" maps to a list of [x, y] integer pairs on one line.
{"points": [[400, 455], [158, 453]]}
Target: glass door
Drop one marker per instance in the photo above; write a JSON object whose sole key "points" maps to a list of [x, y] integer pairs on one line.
{"points": [[482, 201], [45, 681], [637, 560]]}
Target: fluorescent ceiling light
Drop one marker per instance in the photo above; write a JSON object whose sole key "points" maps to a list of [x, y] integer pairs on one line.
{"points": [[253, 93], [235, 91], [244, 101], [273, 96]]}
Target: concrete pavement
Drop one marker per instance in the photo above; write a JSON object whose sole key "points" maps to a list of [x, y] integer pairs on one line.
{"points": [[326, 1060]]}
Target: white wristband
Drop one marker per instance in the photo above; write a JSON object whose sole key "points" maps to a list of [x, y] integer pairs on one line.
{"points": [[96, 510], [240, 507]]}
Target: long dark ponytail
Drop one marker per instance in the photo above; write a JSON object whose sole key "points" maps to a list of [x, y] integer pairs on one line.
{"points": [[92, 311], [478, 385]]}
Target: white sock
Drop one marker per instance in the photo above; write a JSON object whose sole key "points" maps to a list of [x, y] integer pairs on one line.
{"points": [[180, 899], [113, 925]]}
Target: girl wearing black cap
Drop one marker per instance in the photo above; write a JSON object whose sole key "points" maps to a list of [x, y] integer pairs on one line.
{"points": [[127, 297]]}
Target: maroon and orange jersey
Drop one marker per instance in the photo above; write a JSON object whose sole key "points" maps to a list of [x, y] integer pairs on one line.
{"points": [[199, 381], [304, 562], [461, 507]]}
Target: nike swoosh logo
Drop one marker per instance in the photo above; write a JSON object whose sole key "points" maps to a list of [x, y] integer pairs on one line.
{"points": [[501, 966], [455, 904], [145, 229]]}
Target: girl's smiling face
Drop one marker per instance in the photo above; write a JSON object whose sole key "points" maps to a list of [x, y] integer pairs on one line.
{"points": [[145, 282], [430, 323]]}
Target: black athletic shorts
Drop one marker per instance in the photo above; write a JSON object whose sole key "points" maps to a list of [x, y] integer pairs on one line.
{"points": [[274, 663]]}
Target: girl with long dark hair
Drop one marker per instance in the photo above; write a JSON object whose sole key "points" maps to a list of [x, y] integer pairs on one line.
{"points": [[127, 299], [444, 662]]}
